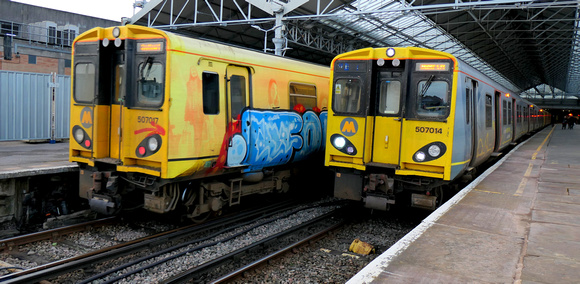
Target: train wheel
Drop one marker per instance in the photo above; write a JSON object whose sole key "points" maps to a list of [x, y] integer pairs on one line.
{"points": [[438, 191], [201, 217]]}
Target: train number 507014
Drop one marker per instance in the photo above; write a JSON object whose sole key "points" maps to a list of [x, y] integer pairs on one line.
{"points": [[428, 130]]}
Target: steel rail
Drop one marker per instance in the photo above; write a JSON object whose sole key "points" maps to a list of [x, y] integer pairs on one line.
{"points": [[57, 268], [193, 272], [10, 243], [240, 272]]}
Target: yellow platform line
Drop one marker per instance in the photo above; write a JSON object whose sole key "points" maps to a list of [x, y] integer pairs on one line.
{"points": [[487, 191], [524, 181], [542, 145]]}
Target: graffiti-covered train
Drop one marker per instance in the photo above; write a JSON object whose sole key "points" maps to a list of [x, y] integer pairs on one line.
{"points": [[408, 122], [168, 122]]}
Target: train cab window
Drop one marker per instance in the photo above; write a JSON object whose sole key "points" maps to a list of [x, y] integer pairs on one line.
{"points": [[347, 96], [488, 111], [238, 94], [119, 84], [211, 92], [150, 83], [433, 98], [303, 94], [389, 97], [84, 82]]}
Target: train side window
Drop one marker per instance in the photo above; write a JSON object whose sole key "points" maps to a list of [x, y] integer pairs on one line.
{"points": [[211, 93], [84, 82], [488, 112], [510, 113], [347, 95], [303, 94], [390, 97], [433, 98], [504, 112], [150, 83], [238, 94], [467, 104]]}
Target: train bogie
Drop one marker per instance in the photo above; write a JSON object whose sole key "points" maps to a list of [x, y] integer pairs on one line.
{"points": [[168, 121]]}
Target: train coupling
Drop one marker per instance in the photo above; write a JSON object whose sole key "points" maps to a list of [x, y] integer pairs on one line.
{"points": [[107, 205], [100, 188], [382, 203]]}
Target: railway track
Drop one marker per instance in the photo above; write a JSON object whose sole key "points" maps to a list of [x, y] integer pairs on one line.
{"points": [[11, 243], [146, 253]]}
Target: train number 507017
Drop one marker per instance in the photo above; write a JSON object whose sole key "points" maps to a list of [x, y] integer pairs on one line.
{"points": [[428, 130]]}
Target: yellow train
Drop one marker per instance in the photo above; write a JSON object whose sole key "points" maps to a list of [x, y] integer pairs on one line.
{"points": [[406, 122], [170, 123]]}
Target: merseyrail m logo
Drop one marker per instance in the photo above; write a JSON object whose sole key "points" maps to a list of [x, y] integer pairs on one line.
{"points": [[348, 127], [87, 117]]}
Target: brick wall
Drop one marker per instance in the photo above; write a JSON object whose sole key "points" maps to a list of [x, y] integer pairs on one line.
{"points": [[43, 64]]}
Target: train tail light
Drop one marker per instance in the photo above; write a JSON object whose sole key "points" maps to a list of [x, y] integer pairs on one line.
{"points": [[81, 136]]}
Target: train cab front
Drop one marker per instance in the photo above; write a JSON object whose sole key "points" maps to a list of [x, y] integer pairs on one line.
{"points": [[389, 125], [118, 122]]}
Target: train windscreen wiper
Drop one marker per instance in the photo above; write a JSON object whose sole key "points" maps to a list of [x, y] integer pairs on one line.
{"points": [[427, 85], [148, 64]]}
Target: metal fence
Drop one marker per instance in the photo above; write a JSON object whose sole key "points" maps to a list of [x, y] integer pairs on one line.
{"points": [[26, 106]]}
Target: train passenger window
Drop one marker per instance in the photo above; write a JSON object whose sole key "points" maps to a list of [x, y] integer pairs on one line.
{"points": [[211, 93], [238, 94], [303, 94], [468, 92], [84, 82], [510, 113], [347, 95], [390, 97], [150, 83], [433, 98], [504, 112], [488, 112]]}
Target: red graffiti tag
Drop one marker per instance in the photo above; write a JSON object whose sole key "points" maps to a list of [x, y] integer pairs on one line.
{"points": [[156, 130], [233, 128]]}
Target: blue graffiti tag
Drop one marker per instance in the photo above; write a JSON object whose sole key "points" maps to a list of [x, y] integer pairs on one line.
{"points": [[271, 138]]}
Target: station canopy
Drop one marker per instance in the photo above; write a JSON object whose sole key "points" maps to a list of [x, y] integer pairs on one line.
{"points": [[531, 47]]}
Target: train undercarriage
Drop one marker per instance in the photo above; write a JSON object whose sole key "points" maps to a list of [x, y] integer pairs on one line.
{"points": [[383, 189], [109, 191]]}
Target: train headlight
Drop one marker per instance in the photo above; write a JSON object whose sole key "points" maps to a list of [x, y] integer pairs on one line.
{"points": [[339, 142], [152, 144], [116, 32], [79, 135], [391, 52], [434, 151], [420, 156]]}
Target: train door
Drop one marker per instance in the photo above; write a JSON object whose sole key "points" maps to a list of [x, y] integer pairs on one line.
{"points": [[238, 92], [513, 118], [117, 102], [471, 129], [498, 120], [388, 119]]}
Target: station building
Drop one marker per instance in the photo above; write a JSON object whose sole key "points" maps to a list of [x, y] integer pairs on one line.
{"points": [[39, 40]]}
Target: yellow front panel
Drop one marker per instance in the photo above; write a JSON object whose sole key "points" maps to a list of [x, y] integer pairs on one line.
{"points": [[101, 131], [417, 134], [353, 130], [115, 131], [387, 140]]}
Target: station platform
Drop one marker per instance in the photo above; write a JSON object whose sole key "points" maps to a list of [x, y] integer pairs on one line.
{"points": [[22, 159], [519, 222]]}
